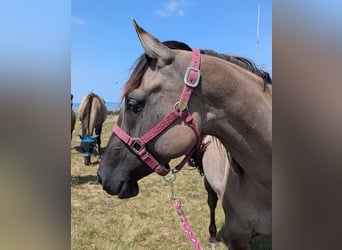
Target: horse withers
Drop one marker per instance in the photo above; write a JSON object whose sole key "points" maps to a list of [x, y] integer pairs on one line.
{"points": [[223, 96], [92, 112]]}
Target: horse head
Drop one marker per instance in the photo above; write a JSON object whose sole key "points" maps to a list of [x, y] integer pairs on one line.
{"points": [[88, 144], [151, 93]]}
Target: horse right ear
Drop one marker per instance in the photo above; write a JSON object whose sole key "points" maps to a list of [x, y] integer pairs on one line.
{"points": [[81, 137], [153, 47]]}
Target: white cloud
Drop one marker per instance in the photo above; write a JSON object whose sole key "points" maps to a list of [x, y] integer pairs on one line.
{"points": [[77, 20], [173, 7], [181, 13]]}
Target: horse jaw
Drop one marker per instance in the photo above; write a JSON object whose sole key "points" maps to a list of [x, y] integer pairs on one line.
{"points": [[153, 47]]}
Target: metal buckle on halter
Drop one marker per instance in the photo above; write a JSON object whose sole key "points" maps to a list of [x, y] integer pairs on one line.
{"points": [[180, 106], [187, 73], [137, 146]]}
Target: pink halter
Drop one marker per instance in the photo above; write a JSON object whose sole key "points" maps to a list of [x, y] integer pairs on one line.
{"points": [[191, 80]]}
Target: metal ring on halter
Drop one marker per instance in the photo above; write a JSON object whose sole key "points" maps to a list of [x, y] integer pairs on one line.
{"points": [[177, 104], [172, 178]]}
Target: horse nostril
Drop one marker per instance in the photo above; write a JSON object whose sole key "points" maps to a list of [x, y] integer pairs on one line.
{"points": [[99, 179]]}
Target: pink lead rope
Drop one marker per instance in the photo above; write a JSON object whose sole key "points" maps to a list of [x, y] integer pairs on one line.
{"points": [[187, 227], [181, 213]]}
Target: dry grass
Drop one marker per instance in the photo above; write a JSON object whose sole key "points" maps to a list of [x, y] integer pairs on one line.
{"points": [[148, 221]]}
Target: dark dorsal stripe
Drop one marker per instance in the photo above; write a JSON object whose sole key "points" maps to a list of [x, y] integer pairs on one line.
{"points": [[87, 112]]}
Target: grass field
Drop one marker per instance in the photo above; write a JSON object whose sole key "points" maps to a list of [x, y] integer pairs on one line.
{"points": [[148, 221]]}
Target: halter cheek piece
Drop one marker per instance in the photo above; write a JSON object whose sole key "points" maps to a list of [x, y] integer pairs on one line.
{"points": [[137, 145]]}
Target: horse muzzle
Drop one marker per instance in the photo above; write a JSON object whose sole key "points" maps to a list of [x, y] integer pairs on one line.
{"points": [[124, 189]]}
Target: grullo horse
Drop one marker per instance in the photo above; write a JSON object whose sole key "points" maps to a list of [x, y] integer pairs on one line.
{"points": [[92, 112], [162, 119]]}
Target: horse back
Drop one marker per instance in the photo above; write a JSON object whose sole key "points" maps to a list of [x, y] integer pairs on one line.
{"points": [[92, 113], [98, 112]]}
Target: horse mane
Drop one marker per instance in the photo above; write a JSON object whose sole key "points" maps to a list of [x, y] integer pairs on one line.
{"points": [[142, 63], [244, 63], [195, 160]]}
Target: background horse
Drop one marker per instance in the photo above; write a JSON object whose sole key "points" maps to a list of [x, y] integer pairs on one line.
{"points": [[73, 117], [214, 162], [230, 99], [92, 112]]}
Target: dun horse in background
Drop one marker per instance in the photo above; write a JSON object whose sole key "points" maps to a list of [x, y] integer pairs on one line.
{"points": [[214, 162], [162, 119], [73, 117], [92, 112]]}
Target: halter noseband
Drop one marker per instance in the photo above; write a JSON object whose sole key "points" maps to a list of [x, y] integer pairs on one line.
{"points": [[137, 145]]}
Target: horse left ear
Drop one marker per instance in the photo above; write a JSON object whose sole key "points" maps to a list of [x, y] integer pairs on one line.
{"points": [[94, 136], [81, 137], [153, 47]]}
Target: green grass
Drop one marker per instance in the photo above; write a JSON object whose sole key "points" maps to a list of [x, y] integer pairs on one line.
{"points": [[147, 221]]}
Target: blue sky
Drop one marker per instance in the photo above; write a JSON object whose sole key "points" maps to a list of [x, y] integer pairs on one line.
{"points": [[105, 46]]}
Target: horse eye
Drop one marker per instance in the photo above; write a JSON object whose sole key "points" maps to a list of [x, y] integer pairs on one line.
{"points": [[134, 105]]}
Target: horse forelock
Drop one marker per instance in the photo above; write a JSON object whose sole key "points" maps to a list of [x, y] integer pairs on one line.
{"points": [[138, 70], [142, 63]]}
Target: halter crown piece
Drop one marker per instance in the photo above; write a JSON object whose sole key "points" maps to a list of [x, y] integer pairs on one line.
{"points": [[137, 145]]}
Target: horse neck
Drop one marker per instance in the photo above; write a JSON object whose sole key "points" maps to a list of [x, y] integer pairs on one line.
{"points": [[240, 114]]}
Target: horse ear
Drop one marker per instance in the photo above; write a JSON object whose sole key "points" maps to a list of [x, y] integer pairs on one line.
{"points": [[152, 46], [81, 137], [94, 136]]}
